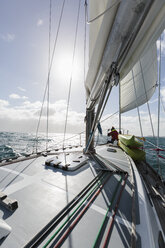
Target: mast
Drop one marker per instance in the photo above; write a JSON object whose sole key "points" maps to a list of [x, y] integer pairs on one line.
{"points": [[90, 114]]}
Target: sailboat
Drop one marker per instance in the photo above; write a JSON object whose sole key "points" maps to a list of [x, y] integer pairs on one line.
{"points": [[98, 196]]}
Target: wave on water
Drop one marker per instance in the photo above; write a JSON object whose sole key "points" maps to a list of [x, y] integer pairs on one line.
{"points": [[7, 152], [14, 144], [152, 153]]}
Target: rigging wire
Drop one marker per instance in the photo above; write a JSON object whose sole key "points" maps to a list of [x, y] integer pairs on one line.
{"points": [[47, 128], [137, 105], [153, 144], [49, 71], [159, 166], [36, 137], [70, 84], [82, 131], [147, 102], [110, 116]]}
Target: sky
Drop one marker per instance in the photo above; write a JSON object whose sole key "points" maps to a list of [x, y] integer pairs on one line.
{"points": [[24, 46]]}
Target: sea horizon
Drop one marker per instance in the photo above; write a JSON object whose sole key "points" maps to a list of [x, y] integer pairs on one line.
{"points": [[16, 144]]}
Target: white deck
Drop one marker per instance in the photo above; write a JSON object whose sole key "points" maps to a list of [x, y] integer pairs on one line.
{"points": [[43, 191]]}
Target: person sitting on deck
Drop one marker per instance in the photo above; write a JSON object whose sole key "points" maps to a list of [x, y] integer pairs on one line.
{"points": [[113, 134]]}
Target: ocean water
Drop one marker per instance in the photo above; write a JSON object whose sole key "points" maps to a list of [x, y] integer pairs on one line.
{"points": [[151, 153], [14, 144]]}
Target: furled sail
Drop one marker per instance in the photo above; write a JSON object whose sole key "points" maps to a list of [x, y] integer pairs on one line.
{"points": [[140, 83], [125, 31]]}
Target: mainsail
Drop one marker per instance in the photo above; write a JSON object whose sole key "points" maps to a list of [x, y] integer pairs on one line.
{"points": [[127, 30], [140, 83]]}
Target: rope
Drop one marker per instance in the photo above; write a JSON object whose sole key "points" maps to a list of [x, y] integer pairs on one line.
{"points": [[153, 144], [52, 147], [93, 189], [114, 213], [161, 156], [50, 67], [101, 14], [75, 221], [36, 138], [70, 84], [84, 131], [110, 116], [96, 242], [45, 231]]}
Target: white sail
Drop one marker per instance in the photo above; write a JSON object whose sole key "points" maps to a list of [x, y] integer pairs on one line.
{"points": [[140, 83], [121, 35], [98, 35]]}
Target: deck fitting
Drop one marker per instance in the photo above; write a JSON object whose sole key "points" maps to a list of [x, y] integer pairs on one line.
{"points": [[2, 196], [8, 202]]}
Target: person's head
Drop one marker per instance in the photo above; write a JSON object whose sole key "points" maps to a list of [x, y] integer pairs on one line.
{"points": [[112, 128]]}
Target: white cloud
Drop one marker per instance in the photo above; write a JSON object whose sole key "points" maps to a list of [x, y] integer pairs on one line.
{"points": [[16, 96], [162, 42], [40, 22], [163, 94], [3, 103], [21, 89], [153, 101], [24, 117], [130, 122], [7, 37]]}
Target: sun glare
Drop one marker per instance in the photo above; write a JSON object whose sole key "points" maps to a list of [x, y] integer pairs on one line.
{"points": [[64, 67]]}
